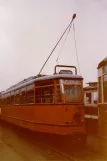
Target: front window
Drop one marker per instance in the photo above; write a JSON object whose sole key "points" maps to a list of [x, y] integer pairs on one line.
{"points": [[73, 91], [95, 97]]}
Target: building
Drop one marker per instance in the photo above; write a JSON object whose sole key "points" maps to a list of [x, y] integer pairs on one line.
{"points": [[90, 93]]}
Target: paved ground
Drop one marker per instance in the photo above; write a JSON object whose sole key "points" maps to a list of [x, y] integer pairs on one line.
{"points": [[15, 148]]}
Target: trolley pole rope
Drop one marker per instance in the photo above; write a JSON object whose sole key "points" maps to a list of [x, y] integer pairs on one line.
{"points": [[73, 17]]}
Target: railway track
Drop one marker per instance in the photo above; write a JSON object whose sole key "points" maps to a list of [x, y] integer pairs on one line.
{"points": [[70, 158], [69, 153], [51, 148], [82, 155]]}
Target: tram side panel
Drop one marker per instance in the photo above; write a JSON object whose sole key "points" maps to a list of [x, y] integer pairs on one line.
{"points": [[52, 119], [91, 119], [91, 108], [103, 119]]}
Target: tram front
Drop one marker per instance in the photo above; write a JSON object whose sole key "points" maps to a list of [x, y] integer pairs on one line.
{"points": [[71, 86]]}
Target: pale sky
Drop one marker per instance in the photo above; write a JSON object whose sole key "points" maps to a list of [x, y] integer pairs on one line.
{"points": [[29, 29]]}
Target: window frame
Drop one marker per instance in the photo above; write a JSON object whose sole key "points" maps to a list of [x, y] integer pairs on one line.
{"points": [[74, 82], [32, 88], [42, 85]]}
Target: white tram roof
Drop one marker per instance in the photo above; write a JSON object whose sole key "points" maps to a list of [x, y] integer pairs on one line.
{"points": [[42, 78]]}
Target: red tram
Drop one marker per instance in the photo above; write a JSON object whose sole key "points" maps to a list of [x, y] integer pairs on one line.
{"points": [[102, 93], [46, 103], [91, 107]]}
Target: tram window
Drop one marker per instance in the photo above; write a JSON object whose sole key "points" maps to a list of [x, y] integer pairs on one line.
{"points": [[30, 94], [38, 96], [58, 95], [73, 93], [45, 92], [95, 97], [23, 95], [47, 95], [105, 69], [99, 72], [105, 88], [17, 97], [30, 87], [12, 98], [100, 90], [8, 98], [3, 100]]}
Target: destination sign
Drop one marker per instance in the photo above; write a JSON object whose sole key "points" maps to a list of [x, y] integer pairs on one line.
{"points": [[72, 82]]}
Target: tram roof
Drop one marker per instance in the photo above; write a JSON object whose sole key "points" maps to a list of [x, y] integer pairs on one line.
{"points": [[102, 63], [90, 88], [42, 78]]}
